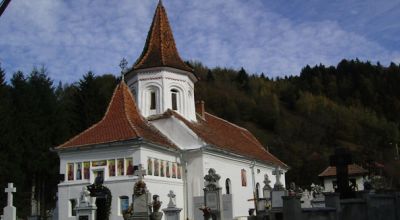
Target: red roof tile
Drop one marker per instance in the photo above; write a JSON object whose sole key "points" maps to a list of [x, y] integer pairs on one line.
{"points": [[122, 121], [229, 137], [353, 170], [160, 49]]}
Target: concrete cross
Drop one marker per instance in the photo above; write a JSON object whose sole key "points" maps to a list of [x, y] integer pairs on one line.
{"points": [[277, 173], [171, 196], [9, 190], [140, 172], [123, 65]]}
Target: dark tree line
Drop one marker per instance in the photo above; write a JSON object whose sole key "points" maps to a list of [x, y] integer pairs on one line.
{"points": [[300, 119]]}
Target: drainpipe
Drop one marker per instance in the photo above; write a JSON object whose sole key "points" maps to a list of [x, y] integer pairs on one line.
{"points": [[185, 184]]}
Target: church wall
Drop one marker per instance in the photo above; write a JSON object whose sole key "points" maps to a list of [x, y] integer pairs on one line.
{"points": [[162, 81], [231, 167], [195, 178], [178, 133]]}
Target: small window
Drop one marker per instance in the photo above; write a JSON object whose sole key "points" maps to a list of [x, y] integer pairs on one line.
{"points": [[174, 97], [72, 206], [123, 204], [152, 100]]}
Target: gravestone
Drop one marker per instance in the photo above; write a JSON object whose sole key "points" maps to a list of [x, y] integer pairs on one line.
{"points": [[278, 191], [227, 206], [213, 195], [141, 202], [86, 209], [341, 159], [10, 212], [172, 212]]}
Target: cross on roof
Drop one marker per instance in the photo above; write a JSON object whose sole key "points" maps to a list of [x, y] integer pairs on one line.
{"points": [[9, 190], [140, 172]]}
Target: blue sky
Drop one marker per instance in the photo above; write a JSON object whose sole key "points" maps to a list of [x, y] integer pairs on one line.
{"points": [[275, 37]]}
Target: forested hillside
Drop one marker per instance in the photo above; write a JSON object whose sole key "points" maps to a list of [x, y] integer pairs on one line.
{"points": [[300, 119]]}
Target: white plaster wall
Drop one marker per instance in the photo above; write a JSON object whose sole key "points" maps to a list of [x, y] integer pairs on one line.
{"points": [[328, 183], [119, 185], [195, 178], [178, 133], [228, 167], [164, 79]]}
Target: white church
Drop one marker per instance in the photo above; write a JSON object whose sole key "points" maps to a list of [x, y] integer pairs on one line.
{"points": [[154, 121]]}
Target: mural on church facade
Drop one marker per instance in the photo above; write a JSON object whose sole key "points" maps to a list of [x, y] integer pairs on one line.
{"points": [[120, 167], [78, 171], [111, 167], [129, 166], [163, 168], [70, 171], [86, 170], [243, 177]]}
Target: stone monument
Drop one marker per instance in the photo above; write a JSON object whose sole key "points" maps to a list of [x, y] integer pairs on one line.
{"points": [[141, 201], [86, 209], [278, 191], [10, 212], [172, 212], [213, 195]]}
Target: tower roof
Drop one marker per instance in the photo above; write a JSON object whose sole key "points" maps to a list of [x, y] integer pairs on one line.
{"points": [[160, 49], [122, 121]]}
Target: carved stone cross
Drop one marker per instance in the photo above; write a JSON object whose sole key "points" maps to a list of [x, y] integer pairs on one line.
{"points": [[267, 182], [172, 202], [277, 173], [140, 172], [9, 190]]}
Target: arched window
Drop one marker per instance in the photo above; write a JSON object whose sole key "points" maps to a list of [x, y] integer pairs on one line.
{"points": [[258, 190], [228, 186], [174, 99], [153, 100]]}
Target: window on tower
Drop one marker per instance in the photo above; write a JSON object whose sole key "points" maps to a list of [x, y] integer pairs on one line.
{"points": [[152, 100], [174, 97]]}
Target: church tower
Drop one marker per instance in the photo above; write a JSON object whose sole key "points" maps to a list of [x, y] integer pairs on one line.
{"points": [[159, 79]]}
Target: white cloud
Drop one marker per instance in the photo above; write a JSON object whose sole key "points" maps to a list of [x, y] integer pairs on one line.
{"points": [[72, 37]]}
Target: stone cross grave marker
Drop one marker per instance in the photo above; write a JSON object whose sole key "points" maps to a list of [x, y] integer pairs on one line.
{"points": [[172, 199], [140, 172], [341, 159], [213, 194], [278, 173], [10, 212]]}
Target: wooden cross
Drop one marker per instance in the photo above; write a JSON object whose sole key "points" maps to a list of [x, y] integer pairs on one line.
{"points": [[140, 172], [10, 190]]}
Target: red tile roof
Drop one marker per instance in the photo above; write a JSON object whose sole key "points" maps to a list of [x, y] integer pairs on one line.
{"points": [[353, 170], [122, 121], [160, 49], [226, 136]]}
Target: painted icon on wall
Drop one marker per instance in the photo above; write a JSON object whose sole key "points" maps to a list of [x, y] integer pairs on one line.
{"points": [[111, 167], [78, 171], [179, 171], [156, 167], [70, 171], [86, 170], [167, 167], [173, 170], [129, 166], [162, 168], [120, 167], [243, 177], [150, 166]]}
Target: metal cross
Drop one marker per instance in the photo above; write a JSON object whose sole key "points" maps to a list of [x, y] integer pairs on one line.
{"points": [[123, 64], [140, 172], [9, 190]]}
